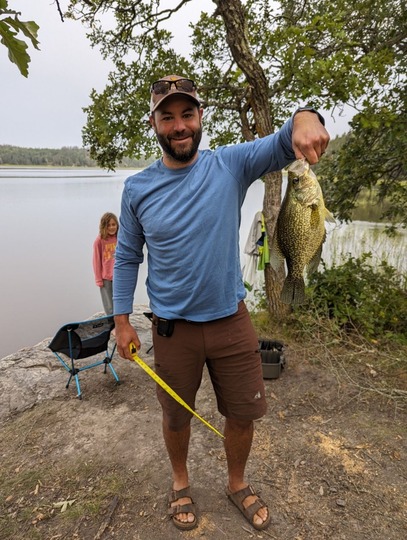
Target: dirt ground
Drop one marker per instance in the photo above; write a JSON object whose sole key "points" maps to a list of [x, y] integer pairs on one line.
{"points": [[329, 460]]}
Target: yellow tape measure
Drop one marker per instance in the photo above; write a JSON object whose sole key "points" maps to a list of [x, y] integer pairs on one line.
{"points": [[168, 389]]}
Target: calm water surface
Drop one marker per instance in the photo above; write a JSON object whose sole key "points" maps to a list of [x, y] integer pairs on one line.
{"points": [[50, 219]]}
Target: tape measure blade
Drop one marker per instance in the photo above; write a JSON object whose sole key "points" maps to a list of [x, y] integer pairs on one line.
{"points": [[170, 391]]}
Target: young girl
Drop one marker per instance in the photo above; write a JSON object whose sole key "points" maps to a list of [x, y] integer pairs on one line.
{"points": [[104, 248]]}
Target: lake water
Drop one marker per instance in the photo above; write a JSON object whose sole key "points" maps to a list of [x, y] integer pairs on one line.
{"points": [[50, 219]]}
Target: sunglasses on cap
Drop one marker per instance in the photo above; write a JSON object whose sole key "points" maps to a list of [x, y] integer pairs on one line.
{"points": [[163, 87]]}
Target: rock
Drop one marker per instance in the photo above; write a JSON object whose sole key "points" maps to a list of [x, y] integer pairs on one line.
{"points": [[33, 374]]}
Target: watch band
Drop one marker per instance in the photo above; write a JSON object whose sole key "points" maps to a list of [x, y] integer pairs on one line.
{"points": [[311, 109]]}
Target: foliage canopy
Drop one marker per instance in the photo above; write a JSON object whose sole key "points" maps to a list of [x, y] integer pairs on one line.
{"points": [[290, 53]]}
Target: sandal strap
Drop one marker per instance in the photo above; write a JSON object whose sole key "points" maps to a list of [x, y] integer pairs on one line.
{"points": [[238, 498], [249, 511], [242, 494], [180, 494], [181, 509], [254, 508]]}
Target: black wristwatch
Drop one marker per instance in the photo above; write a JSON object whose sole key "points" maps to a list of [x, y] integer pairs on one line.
{"points": [[310, 109]]}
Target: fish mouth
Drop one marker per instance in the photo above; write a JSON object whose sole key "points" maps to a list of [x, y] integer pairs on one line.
{"points": [[299, 167]]}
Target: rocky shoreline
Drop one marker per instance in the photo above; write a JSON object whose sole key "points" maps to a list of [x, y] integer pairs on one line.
{"points": [[33, 374]]}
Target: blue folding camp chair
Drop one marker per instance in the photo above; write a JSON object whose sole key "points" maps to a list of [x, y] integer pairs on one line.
{"points": [[83, 339]]}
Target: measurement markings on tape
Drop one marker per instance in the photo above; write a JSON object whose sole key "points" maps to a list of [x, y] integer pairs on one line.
{"points": [[168, 389]]}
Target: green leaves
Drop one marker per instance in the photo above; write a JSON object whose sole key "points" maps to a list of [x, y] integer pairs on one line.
{"points": [[362, 297], [373, 158], [10, 27]]}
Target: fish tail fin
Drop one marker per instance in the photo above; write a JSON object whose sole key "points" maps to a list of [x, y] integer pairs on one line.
{"points": [[293, 291]]}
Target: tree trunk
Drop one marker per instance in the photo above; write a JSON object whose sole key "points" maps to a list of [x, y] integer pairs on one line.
{"points": [[233, 15], [273, 280]]}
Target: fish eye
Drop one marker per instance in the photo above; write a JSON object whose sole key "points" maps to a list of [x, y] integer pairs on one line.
{"points": [[296, 180]]}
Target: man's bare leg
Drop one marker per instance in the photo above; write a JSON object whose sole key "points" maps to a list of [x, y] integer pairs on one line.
{"points": [[238, 442], [177, 443]]}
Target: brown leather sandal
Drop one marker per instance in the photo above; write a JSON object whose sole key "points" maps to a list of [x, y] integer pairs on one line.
{"points": [[188, 508], [237, 499]]}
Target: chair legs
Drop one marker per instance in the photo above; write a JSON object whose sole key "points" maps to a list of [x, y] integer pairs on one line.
{"points": [[78, 386], [108, 362], [74, 371]]}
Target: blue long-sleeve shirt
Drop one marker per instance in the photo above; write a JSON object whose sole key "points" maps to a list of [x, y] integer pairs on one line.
{"points": [[189, 219]]}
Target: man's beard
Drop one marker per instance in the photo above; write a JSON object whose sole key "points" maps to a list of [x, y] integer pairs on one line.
{"points": [[183, 156]]}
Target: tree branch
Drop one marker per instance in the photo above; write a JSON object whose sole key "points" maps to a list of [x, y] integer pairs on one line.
{"points": [[60, 11]]}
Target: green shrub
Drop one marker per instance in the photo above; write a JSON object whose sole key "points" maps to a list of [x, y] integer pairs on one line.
{"points": [[358, 296]]}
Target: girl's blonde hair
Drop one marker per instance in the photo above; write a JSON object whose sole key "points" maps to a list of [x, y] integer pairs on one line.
{"points": [[104, 221]]}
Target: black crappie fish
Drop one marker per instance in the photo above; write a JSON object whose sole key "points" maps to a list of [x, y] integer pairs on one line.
{"points": [[300, 230]]}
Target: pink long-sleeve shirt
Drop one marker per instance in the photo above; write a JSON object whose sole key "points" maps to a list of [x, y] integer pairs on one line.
{"points": [[103, 258]]}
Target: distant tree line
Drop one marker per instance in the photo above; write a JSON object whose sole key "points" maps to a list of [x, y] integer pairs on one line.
{"points": [[67, 156]]}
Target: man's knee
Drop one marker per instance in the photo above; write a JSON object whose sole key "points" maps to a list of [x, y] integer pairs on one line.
{"points": [[176, 425], [239, 424]]}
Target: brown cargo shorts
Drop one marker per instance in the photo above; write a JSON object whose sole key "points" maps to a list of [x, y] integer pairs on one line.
{"points": [[230, 350]]}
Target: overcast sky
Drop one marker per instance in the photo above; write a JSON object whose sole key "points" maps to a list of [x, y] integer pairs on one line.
{"points": [[45, 110]]}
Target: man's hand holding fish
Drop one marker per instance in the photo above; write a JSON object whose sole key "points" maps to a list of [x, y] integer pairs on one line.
{"points": [[310, 138]]}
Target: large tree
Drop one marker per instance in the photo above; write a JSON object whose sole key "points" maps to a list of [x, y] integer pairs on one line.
{"points": [[254, 61]]}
